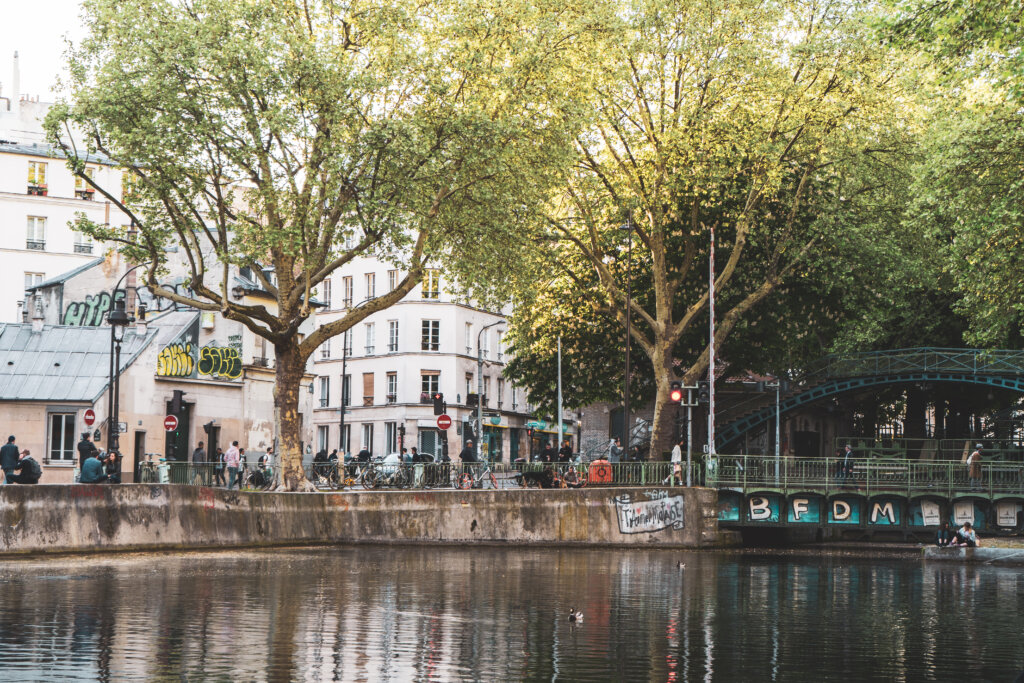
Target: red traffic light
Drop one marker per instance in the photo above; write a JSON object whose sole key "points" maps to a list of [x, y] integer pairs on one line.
{"points": [[675, 393]]}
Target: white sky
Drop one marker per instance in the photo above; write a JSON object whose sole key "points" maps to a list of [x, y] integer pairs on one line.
{"points": [[36, 29]]}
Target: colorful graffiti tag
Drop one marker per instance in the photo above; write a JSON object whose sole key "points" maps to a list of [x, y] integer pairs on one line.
{"points": [[178, 358], [91, 311], [220, 361]]}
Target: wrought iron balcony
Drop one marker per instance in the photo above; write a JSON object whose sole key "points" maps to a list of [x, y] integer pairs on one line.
{"points": [[38, 245], [83, 248]]}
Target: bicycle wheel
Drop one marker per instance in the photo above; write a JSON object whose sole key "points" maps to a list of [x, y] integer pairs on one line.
{"points": [[465, 481], [370, 479], [492, 479], [403, 479]]}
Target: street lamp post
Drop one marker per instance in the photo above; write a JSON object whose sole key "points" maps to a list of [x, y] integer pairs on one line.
{"points": [[628, 227], [480, 387], [119, 321], [344, 405]]}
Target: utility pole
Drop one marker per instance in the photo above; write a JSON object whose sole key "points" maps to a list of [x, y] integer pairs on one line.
{"points": [[344, 374], [559, 391], [629, 304], [711, 347]]}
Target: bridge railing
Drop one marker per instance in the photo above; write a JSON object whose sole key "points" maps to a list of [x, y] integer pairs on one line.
{"points": [[932, 449], [927, 359], [907, 477]]}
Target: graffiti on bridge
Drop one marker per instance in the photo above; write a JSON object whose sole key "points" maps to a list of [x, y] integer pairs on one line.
{"points": [[220, 361]]}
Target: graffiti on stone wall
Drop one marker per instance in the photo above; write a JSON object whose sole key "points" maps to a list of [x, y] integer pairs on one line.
{"points": [[179, 358], [648, 516], [220, 362]]}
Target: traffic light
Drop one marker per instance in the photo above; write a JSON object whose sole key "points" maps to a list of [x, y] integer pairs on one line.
{"points": [[675, 392], [704, 392], [176, 400], [438, 403]]}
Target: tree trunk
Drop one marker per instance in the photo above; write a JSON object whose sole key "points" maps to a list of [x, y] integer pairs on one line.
{"points": [[290, 366], [663, 421]]}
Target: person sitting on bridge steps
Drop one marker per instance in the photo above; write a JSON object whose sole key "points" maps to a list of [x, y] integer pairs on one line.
{"points": [[966, 537]]}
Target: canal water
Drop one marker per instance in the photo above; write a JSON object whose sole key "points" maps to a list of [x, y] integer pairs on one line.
{"points": [[490, 614]]}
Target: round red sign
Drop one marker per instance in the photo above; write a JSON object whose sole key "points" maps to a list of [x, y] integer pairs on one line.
{"points": [[170, 423], [444, 422], [90, 417]]}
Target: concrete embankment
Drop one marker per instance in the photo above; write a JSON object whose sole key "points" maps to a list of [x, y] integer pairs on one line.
{"points": [[996, 556], [85, 518]]}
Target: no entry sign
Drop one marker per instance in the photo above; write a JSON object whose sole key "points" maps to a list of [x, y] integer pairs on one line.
{"points": [[170, 423], [444, 422], [90, 417]]}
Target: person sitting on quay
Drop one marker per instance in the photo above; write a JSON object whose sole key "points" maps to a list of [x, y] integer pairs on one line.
{"points": [[966, 537], [30, 470], [94, 470], [945, 536]]}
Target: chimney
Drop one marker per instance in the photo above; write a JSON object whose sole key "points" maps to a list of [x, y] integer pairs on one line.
{"points": [[37, 315], [16, 85]]}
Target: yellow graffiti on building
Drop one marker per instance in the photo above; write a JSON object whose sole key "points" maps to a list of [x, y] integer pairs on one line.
{"points": [[175, 360], [220, 361]]}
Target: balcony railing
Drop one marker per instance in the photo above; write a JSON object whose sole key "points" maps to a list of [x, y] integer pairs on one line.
{"points": [[85, 194], [393, 347], [38, 245], [83, 248], [367, 400], [261, 362], [324, 402], [37, 190], [392, 398]]}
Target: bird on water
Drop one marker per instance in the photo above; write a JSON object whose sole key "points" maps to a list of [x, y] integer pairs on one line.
{"points": [[575, 616]]}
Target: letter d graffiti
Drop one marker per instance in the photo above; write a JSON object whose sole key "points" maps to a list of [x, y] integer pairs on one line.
{"points": [[841, 510]]}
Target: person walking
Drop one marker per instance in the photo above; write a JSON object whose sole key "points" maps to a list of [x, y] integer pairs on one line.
{"points": [[677, 462], [218, 469], [9, 457], [30, 471], [198, 464], [85, 448], [231, 459], [974, 467]]}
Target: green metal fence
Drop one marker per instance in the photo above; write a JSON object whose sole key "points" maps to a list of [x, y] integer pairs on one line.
{"points": [[826, 475]]}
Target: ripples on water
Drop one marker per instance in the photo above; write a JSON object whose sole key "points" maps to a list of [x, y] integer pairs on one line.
{"points": [[489, 614]]}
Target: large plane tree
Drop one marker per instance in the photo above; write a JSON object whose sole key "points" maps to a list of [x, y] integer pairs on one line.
{"points": [[269, 133]]}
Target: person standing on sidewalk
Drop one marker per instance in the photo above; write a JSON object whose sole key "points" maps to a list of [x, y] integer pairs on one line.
{"points": [[9, 458], [198, 461], [974, 467], [231, 460], [86, 448], [677, 462]]}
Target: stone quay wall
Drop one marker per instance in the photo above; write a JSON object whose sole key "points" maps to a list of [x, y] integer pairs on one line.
{"points": [[89, 518]]}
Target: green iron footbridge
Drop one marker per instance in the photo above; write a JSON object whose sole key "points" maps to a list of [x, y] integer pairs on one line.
{"points": [[838, 374]]}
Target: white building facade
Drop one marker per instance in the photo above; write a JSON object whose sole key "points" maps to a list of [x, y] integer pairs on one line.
{"points": [[387, 368]]}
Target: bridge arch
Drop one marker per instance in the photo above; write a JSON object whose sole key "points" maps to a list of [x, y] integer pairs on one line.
{"points": [[834, 386]]}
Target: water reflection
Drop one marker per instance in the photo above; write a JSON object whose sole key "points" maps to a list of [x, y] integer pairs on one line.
{"points": [[400, 614]]}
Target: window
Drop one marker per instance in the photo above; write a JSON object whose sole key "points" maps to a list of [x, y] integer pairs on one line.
{"points": [[431, 337], [36, 233], [487, 391], [325, 349], [32, 279], [485, 344], [367, 388], [346, 291], [498, 345], [350, 241], [83, 244], [325, 392], [37, 178], [392, 280], [323, 433], [501, 393], [346, 340], [392, 387], [469, 338], [326, 296], [430, 382], [346, 441], [84, 190], [392, 336], [371, 285], [432, 283], [368, 437], [469, 385], [62, 437], [513, 398], [370, 335], [346, 390], [391, 437]]}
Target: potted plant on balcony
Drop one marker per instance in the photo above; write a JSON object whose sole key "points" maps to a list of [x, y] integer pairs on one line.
{"points": [[38, 190]]}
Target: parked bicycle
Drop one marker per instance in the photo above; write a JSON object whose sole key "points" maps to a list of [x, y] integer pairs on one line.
{"points": [[473, 476]]}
